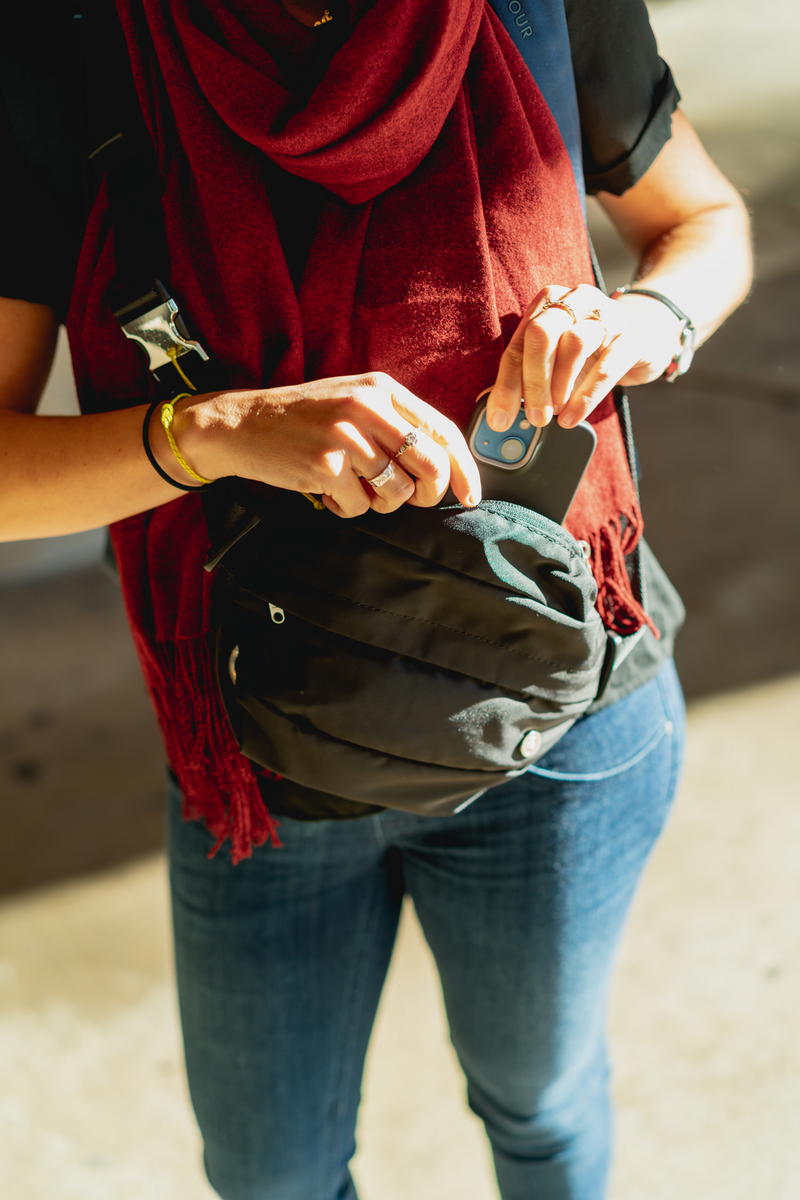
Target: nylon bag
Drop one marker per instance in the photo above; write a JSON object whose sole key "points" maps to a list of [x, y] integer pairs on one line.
{"points": [[409, 660]]}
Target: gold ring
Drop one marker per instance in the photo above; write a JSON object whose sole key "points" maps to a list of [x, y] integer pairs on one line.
{"points": [[596, 315], [560, 304], [408, 441], [385, 475]]}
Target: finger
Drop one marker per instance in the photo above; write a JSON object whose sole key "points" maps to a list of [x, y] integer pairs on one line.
{"points": [[332, 506], [390, 488], [542, 339], [464, 478], [599, 376], [428, 464], [342, 485], [369, 461], [349, 496], [575, 348], [505, 395], [503, 401]]}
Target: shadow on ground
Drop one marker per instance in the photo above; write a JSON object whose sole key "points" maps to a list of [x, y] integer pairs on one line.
{"points": [[719, 454]]}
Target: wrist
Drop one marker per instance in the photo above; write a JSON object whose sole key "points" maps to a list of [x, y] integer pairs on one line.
{"points": [[683, 329], [202, 428], [162, 449]]}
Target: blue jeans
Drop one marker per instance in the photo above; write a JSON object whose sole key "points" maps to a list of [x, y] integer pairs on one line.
{"points": [[522, 898]]}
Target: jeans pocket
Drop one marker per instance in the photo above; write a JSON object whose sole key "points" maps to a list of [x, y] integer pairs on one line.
{"points": [[617, 738]]}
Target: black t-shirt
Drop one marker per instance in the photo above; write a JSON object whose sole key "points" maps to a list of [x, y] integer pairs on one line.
{"points": [[626, 97]]}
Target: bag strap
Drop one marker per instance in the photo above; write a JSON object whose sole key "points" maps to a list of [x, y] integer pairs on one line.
{"points": [[539, 31], [120, 152], [626, 422]]}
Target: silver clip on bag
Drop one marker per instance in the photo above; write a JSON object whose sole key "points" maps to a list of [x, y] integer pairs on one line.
{"points": [[409, 661]]}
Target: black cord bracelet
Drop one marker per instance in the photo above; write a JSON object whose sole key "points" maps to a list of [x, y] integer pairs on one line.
{"points": [[682, 358], [632, 290], [155, 464]]}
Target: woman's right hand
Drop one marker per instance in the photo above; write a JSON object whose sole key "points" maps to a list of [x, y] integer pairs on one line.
{"points": [[329, 437]]}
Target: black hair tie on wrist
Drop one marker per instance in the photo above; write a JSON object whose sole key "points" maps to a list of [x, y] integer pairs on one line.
{"points": [[682, 358], [155, 464]]}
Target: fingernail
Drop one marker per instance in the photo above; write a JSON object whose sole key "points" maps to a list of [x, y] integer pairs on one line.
{"points": [[499, 420], [567, 420], [540, 416], [472, 500]]}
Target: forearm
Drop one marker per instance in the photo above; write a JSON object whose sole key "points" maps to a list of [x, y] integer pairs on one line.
{"points": [[66, 474], [690, 230], [704, 265]]}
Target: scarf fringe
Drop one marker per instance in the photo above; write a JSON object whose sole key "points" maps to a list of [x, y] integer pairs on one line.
{"points": [[219, 785], [619, 608]]}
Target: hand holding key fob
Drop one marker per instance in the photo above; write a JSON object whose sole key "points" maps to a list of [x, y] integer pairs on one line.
{"points": [[538, 468]]}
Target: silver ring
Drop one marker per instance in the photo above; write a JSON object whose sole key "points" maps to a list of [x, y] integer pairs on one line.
{"points": [[408, 441], [386, 474]]}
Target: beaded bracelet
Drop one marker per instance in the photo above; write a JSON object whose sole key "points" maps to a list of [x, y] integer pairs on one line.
{"points": [[155, 464]]}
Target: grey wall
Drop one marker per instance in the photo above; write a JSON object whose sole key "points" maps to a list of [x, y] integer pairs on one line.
{"points": [[22, 562]]}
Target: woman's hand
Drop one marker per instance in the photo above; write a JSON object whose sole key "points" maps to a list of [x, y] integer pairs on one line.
{"points": [[572, 346], [330, 437], [689, 229]]}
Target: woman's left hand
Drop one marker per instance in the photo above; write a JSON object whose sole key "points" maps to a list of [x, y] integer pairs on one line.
{"points": [[572, 346]]}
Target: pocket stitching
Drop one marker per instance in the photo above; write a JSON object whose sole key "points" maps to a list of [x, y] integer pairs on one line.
{"points": [[665, 728]]}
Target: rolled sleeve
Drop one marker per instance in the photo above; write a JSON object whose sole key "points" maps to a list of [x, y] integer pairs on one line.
{"points": [[626, 93], [618, 176]]}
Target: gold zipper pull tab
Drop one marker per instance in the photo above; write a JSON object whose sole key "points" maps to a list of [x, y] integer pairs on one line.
{"points": [[277, 614]]}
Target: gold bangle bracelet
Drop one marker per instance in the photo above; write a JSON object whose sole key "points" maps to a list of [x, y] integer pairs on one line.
{"points": [[167, 417]]}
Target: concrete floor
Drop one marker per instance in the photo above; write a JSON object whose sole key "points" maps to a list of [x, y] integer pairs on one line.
{"points": [[704, 1016], [93, 1102]]}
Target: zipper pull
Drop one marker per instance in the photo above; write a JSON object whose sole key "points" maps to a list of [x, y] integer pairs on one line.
{"points": [[277, 614]]}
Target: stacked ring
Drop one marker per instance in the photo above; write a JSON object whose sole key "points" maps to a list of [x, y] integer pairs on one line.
{"points": [[385, 475], [388, 471], [409, 440]]}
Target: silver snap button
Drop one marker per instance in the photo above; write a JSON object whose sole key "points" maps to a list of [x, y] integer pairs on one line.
{"points": [[530, 743]]}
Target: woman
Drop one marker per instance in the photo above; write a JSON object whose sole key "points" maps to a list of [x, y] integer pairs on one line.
{"points": [[371, 215]]}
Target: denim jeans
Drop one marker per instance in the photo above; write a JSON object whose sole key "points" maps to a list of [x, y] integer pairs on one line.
{"points": [[522, 898]]}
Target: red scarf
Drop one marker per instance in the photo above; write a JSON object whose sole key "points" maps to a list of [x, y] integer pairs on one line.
{"points": [[443, 199]]}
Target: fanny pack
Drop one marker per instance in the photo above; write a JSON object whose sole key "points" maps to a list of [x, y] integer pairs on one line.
{"points": [[409, 660]]}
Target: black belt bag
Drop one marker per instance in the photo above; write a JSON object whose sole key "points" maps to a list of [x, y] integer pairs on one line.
{"points": [[411, 660]]}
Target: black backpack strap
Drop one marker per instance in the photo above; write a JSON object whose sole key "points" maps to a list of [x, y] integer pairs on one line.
{"points": [[120, 151], [624, 413]]}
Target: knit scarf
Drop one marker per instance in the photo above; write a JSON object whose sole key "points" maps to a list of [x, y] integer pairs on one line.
{"points": [[442, 199]]}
